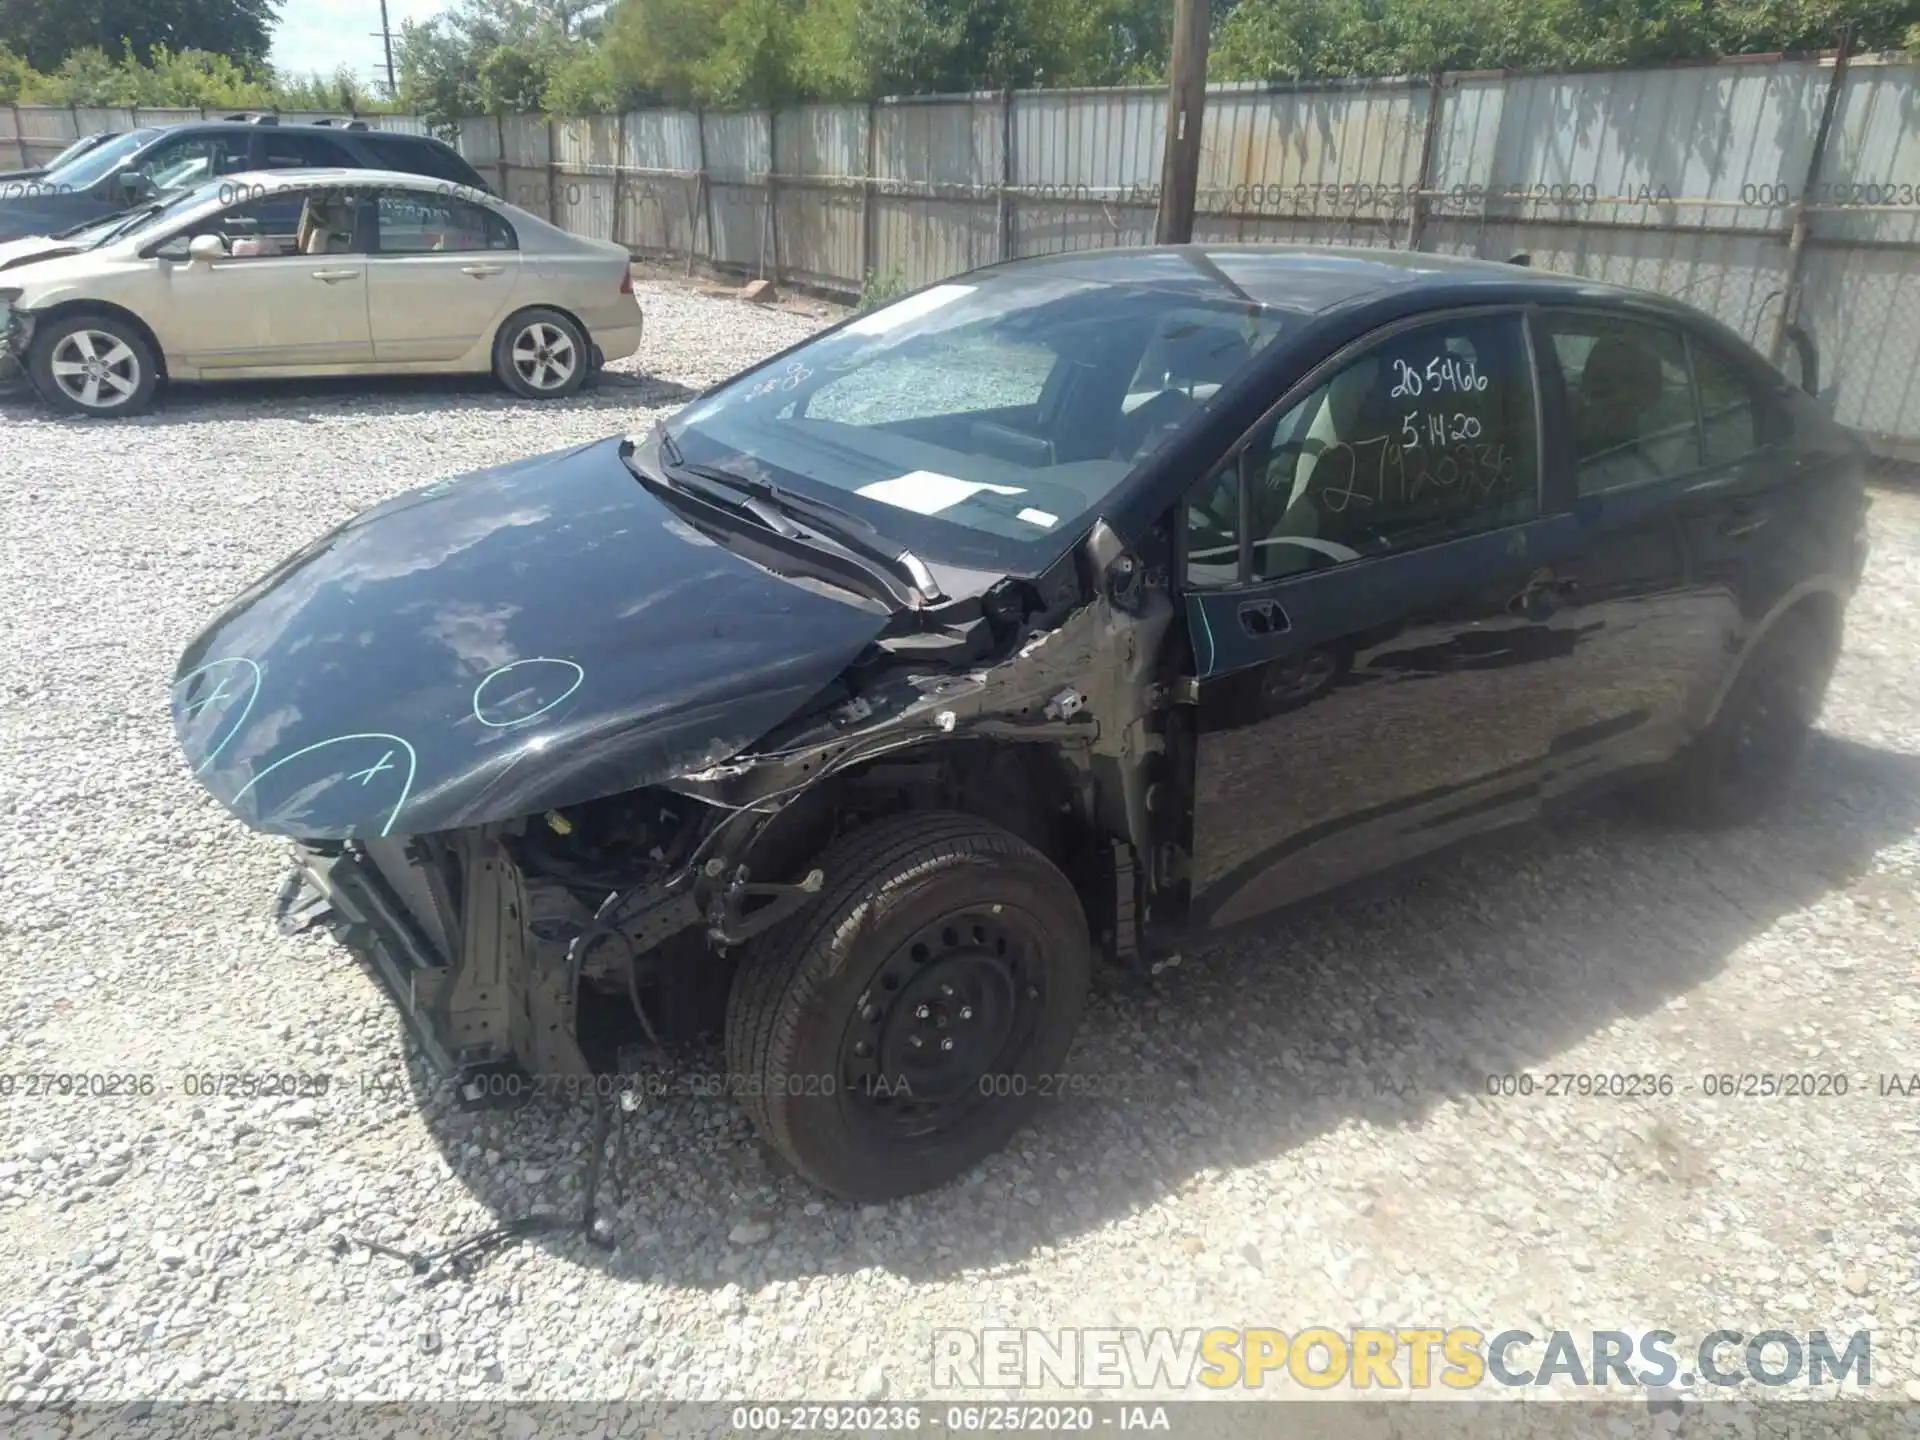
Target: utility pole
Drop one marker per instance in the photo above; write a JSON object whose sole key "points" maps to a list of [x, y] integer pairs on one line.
{"points": [[1186, 102], [386, 38]]}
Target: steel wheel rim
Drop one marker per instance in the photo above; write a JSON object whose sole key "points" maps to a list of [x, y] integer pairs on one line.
{"points": [[95, 369], [544, 356], [948, 1012]]}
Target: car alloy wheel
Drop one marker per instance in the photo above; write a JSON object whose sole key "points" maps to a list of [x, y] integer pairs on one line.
{"points": [[545, 356], [95, 369]]}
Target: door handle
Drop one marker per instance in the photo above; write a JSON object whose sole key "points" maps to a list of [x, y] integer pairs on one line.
{"points": [[479, 271], [1264, 617], [334, 276]]}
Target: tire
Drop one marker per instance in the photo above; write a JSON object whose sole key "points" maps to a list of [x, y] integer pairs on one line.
{"points": [[97, 355], [913, 904], [1735, 769], [542, 355]]}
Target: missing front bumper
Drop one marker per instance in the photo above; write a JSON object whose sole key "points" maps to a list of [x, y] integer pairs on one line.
{"points": [[480, 993]]}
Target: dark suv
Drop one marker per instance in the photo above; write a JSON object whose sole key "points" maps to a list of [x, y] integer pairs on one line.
{"points": [[1070, 609], [160, 160]]}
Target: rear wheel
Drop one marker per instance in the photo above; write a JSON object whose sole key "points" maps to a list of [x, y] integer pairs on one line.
{"points": [[898, 1032], [91, 364], [1740, 763], [542, 355]]}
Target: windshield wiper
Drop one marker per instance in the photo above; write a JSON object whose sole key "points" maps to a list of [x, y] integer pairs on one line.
{"points": [[116, 223], [816, 539], [849, 530]]}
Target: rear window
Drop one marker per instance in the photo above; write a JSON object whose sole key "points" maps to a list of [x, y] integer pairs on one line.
{"points": [[419, 156]]}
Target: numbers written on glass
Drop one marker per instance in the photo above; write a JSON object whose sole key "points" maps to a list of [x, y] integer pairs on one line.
{"points": [[1442, 375], [1438, 428], [1378, 471]]}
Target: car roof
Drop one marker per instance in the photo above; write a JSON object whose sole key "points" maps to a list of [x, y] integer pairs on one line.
{"points": [[1308, 279], [323, 176], [289, 127]]}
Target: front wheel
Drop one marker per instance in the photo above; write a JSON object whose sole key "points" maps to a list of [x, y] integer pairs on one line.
{"points": [[542, 355], [93, 365], [904, 1026]]}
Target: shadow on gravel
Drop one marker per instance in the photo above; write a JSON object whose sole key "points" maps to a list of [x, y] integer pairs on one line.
{"points": [[1380, 1003], [393, 395]]}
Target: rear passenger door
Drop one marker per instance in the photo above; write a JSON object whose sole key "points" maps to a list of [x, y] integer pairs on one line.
{"points": [[443, 274], [1371, 584], [1646, 619]]}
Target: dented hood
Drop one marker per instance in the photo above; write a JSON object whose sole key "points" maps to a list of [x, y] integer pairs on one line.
{"points": [[528, 637]]}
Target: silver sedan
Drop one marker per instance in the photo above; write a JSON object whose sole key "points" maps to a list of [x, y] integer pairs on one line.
{"points": [[314, 272]]}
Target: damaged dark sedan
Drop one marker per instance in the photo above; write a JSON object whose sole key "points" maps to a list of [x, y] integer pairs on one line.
{"points": [[1051, 615]]}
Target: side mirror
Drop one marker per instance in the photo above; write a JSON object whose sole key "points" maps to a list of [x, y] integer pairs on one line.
{"points": [[135, 185], [205, 249]]}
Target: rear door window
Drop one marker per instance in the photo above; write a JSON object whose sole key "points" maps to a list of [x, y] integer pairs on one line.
{"points": [[285, 151], [417, 223], [1630, 406], [1729, 408]]}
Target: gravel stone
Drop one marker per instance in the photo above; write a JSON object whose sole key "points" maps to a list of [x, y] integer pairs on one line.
{"points": [[1290, 1129]]}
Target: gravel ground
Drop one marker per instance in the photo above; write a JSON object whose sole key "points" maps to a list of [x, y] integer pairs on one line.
{"points": [[1292, 1130]]}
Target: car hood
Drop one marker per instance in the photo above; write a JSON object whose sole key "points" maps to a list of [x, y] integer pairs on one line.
{"points": [[34, 250], [520, 639]]}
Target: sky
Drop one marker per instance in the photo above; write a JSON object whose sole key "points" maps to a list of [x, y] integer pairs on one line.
{"points": [[323, 35]]}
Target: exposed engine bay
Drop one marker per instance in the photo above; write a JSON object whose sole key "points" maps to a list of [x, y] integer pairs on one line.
{"points": [[546, 943]]}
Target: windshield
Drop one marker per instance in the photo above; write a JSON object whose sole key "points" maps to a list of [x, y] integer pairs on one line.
{"points": [[141, 219], [74, 151], [78, 174], [977, 419]]}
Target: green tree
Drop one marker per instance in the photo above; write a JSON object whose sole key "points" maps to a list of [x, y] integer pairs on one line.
{"points": [[15, 75], [46, 32], [753, 64], [583, 84], [343, 91], [439, 79], [86, 77], [513, 79], [657, 47], [495, 56]]}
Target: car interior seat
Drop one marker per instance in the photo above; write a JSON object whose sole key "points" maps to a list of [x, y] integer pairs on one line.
{"points": [[1619, 391], [1338, 419], [324, 229], [1194, 357]]}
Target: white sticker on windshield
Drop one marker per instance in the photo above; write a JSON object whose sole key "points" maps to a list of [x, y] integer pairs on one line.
{"points": [[927, 492], [1039, 517], [911, 308]]}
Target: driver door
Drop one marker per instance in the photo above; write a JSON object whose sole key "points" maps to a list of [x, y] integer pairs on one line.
{"points": [[267, 306], [1371, 588]]}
